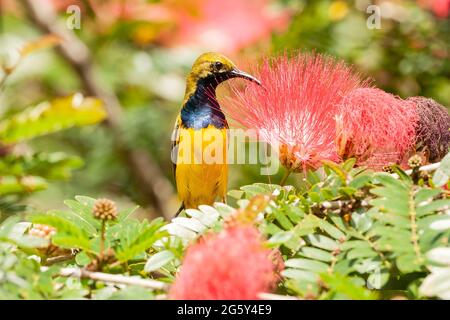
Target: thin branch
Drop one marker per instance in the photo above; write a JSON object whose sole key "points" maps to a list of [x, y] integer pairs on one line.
{"points": [[414, 227], [145, 283], [285, 177], [111, 278], [340, 204], [428, 167], [147, 175], [58, 259]]}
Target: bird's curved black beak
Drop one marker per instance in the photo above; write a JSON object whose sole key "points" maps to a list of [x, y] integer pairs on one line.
{"points": [[236, 73]]}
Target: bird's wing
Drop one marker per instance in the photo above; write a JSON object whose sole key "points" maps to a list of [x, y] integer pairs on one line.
{"points": [[174, 149]]}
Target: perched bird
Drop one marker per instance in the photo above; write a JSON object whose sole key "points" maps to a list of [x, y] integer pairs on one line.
{"points": [[199, 150]]}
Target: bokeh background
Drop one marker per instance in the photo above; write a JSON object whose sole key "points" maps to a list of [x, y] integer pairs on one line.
{"points": [[140, 52]]}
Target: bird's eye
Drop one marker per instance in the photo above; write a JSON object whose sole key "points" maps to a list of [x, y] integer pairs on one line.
{"points": [[218, 65]]}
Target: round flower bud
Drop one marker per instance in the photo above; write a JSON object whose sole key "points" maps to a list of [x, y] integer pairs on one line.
{"points": [[415, 161], [105, 209], [42, 231]]}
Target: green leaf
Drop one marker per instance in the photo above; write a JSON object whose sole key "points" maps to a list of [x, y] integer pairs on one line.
{"points": [[235, 194], [253, 190], [7, 226], [68, 234], [23, 185], [52, 166], [281, 237], [401, 173], [347, 286], [125, 214], [336, 169], [360, 181], [49, 117], [442, 174], [356, 244], [408, 263], [358, 253], [378, 280], [306, 264], [283, 220], [316, 254], [323, 242], [139, 239], [82, 259], [349, 164], [332, 231], [224, 209], [77, 219], [433, 207], [425, 195], [159, 260], [84, 211], [389, 181], [307, 225], [86, 201], [301, 275]]}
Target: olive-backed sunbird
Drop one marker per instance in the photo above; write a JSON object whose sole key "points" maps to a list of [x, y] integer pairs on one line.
{"points": [[199, 150]]}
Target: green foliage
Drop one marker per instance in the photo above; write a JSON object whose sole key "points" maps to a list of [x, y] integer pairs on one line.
{"points": [[442, 174], [53, 166], [22, 173], [343, 233], [352, 224], [348, 233], [50, 117], [23, 258], [79, 229]]}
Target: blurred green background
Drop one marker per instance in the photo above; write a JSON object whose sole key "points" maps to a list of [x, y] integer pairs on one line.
{"points": [[142, 50]]}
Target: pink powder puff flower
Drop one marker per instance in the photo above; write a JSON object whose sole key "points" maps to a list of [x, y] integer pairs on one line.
{"points": [[295, 109], [375, 127], [232, 264]]}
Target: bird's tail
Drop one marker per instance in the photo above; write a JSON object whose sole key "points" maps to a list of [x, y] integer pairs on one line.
{"points": [[179, 210]]}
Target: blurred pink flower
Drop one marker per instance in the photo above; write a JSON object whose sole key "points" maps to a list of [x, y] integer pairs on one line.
{"points": [[226, 26], [213, 25], [441, 8], [232, 264]]}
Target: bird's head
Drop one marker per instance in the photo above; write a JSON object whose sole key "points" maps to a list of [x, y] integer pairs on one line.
{"points": [[213, 68]]}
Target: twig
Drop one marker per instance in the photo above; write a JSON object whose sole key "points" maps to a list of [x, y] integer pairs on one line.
{"points": [[147, 175], [57, 259], [102, 240], [285, 177], [111, 278], [145, 283], [428, 167], [339, 204]]}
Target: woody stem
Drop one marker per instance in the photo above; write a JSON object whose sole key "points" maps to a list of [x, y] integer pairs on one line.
{"points": [[102, 240], [286, 175]]}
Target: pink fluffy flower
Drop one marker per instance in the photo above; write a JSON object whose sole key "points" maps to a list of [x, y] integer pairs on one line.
{"points": [[375, 127], [295, 109], [232, 264]]}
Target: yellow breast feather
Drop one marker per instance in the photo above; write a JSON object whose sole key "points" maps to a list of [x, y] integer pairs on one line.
{"points": [[201, 166]]}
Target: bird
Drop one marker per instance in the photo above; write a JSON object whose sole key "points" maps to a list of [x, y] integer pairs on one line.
{"points": [[199, 138]]}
